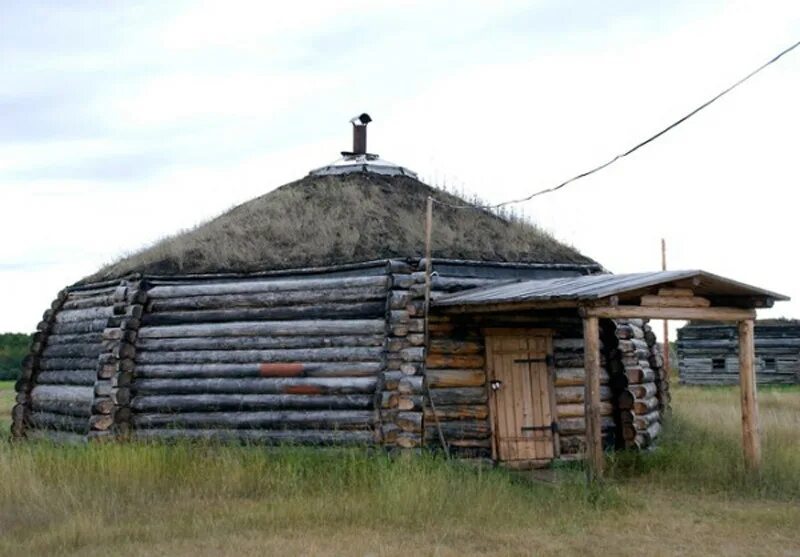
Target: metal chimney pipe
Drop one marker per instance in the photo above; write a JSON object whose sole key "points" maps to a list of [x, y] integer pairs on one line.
{"points": [[360, 133]]}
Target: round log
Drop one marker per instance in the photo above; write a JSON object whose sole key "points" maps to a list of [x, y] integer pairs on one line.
{"points": [[307, 419], [61, 422], [566, 395], [77, 377], [338, 354], [309, 369], [258, 436], [441, 378], [293, 328], [79, 327], [224, 402], [62, 393], [249, 286], [304, 385], [257, 343], [460, 412], [457, 396], [317, 311], [440, 361], [267, 299]]}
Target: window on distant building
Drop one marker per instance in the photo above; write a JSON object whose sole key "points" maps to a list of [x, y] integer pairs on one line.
{"points": [[718, 364], [769, 364]]}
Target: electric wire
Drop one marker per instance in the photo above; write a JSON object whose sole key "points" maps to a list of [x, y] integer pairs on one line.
{"points": [[630, 151]]}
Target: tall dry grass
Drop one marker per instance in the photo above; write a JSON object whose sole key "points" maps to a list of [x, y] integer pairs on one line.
{"points": [[690, 496], [701, 449]]}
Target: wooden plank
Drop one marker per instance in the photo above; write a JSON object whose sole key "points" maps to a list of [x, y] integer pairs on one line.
{"points": [[751, 441], [594, 446], [551, 394], [711, 314], [675, 301], [490, 374], [676, 292]]}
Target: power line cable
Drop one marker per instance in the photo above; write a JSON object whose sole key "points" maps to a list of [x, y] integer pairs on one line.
{"points": [[629, 151]]}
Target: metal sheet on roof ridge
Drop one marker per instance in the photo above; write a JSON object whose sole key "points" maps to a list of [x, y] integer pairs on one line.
{"points": [[588, 287], [367, 163]]}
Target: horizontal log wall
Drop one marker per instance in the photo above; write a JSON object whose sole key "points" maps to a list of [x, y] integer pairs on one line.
{"points": [[262, 360], [708, 354]]}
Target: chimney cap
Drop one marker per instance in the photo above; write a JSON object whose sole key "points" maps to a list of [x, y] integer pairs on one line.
{"points": [[361, 120]]}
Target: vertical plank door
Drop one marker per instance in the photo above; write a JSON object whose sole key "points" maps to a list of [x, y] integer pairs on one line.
{"points": [[521, 396]]}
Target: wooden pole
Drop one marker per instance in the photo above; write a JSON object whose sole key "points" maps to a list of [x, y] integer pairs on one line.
{"points": [[665, 346], [751, 442], [428, 262], [594, 442], [428, 270]]}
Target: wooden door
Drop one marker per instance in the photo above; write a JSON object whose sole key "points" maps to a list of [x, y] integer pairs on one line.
{"points": [[521, 395]]}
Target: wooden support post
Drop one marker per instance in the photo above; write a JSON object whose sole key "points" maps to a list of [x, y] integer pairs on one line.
{"points": [[665, 346], [594, 442], [428, 262], [751, 442]]}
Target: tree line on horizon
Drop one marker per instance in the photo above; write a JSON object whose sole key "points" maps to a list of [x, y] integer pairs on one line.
{"points": [[13, 348]]}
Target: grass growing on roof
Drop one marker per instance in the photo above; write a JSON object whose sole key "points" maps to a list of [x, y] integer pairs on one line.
{"points": [[329, 220]]}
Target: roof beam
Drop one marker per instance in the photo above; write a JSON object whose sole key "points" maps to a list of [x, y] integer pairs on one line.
{"points": [[680, 313]]}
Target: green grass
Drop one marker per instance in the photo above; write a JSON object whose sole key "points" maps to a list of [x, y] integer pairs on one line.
{"points": [[6, 402], [690, 496], [701, 450]]}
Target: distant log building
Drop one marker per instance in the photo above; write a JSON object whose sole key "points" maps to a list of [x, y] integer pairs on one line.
{"points": [[300, 317], [707, 353]]}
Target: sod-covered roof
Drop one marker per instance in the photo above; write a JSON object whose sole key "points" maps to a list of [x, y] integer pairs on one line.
{"points": [[331, 220]]}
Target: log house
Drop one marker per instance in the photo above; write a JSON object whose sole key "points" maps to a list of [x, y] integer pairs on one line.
{"points": [[499, 343]]}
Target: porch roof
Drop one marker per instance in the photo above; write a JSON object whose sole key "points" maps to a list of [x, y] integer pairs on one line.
{"points": [[719, 290]]}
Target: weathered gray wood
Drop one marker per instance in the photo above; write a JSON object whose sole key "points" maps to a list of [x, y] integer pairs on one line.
{"points": [[464, 395], [566, 395], [250, 286], [57, 437], [443, 378], [626, 401], [285, 328], [316, 311], [258, 436], [307, 419], [77, 377], [62, 393], [66, 364], [339, 354], [223, 402], [310, 369], [462, 429], [644, 390], [569, 426], [640, 421], [268, 299], [89, 302], [87, 339], [62, 422], [257, 343], [574, 376], [82, 315], [72, 350], [79, 327], [300, 385]]}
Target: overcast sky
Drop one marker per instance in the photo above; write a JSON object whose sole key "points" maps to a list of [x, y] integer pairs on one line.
{"points": [[121, 123]]}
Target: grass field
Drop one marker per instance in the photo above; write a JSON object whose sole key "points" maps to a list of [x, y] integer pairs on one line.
{"points": [[690, 497]]}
